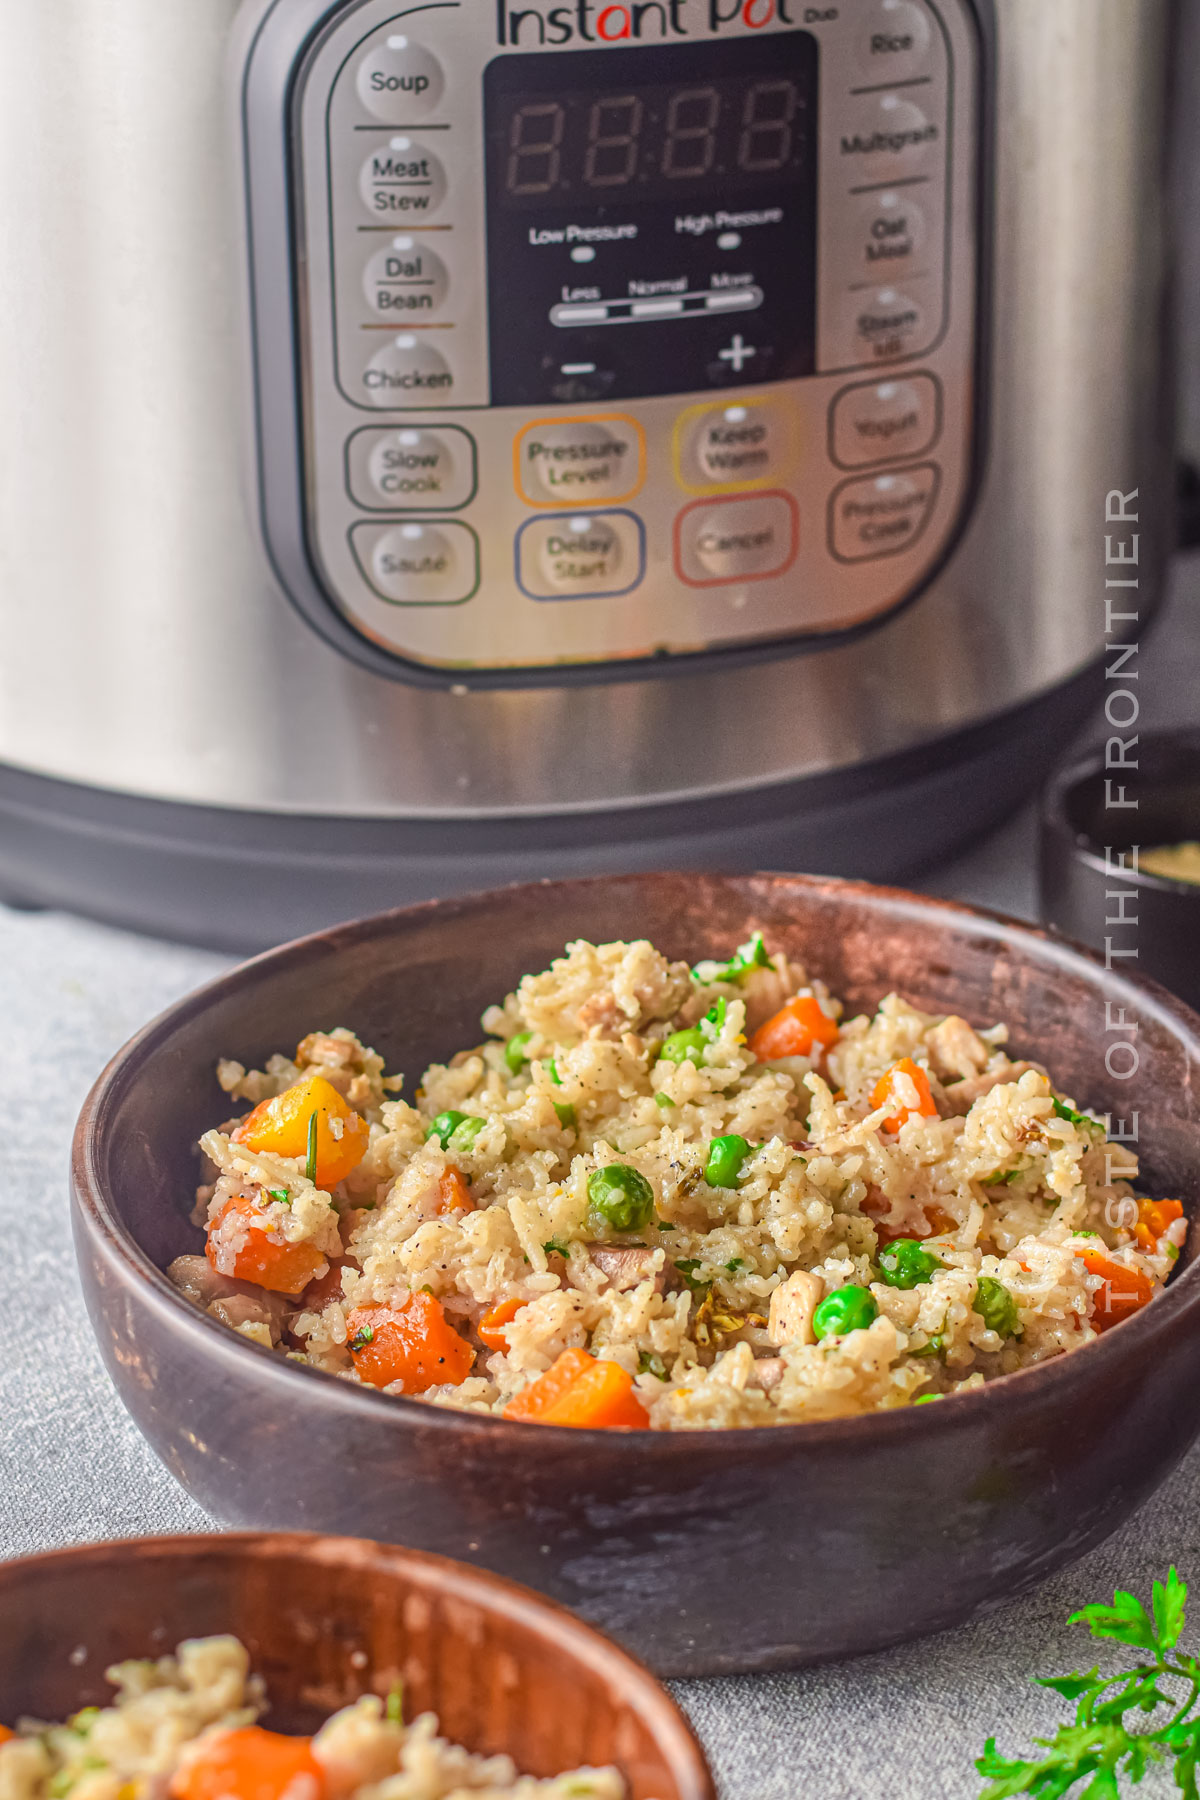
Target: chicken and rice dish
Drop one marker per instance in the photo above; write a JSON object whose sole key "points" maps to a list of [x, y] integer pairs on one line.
{"points": [[184, 1727], [673, 1198]]}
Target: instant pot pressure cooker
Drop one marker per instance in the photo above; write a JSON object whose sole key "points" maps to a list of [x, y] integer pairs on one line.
{"points": [[453, 442]]}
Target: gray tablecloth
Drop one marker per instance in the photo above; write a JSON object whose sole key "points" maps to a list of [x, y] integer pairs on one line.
{"points": [[905, 1725]]}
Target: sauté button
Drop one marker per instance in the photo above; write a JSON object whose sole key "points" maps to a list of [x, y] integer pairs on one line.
{"points": [[406, 280], [565, 462], [400, 80], [891, 232], [402, 181], [880, 421], [418, 468], [406, 371], [577, 556], [882, 515], [893, 41], [736, 540], [890, 138], [419, 564]]}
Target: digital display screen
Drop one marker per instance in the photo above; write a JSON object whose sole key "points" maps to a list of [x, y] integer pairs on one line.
{"points": [[667, 141]]}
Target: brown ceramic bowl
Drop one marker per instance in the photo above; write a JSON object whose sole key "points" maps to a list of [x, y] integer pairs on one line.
{"points": [[328, 1619], [705, 1552]]}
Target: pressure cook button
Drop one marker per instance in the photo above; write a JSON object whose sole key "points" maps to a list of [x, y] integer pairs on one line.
{"points": [[406, 280], [420, 468], [420, 563], [888, 324], [399, 80], [883, 421], [882, 515], [402, 182], [580, 556], [891, 232], [890, 139], [719, 541], [894, 41], [564, 462], [406, 371]]}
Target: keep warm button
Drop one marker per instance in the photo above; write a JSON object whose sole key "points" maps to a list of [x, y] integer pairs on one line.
{"points": [[882, 515]]}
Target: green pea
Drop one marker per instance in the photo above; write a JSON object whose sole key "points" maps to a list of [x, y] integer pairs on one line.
{"points": [[996, 1307], [620, 1197], [726, 1156], [444, 1126], [464, 1134], [516, 1051], [906, 1264], [566, 1115], [684, 1046], [846, 1309]]}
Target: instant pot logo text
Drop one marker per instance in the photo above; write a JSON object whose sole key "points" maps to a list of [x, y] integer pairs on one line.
{"points": [[639, 21]]}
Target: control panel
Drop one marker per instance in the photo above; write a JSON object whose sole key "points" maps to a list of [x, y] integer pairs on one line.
{"points": [[626, 328]]}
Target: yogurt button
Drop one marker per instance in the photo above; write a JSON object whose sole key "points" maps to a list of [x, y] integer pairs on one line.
{"points": [[402, 181], [406, 371], [400, 80], [882, 421], [894, 39], [406, 280]]}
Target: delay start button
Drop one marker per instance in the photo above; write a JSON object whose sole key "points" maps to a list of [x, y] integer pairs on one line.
{"points": [[421, 563], [580, 556], [719, 541], [882, 515], [566, 462]]}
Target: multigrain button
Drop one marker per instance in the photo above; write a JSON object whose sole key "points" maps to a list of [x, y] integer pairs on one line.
{"points": [[421, 563], [580, 556], [418, 468], [402, 181], [888, 323], [894, 39], [890, 232], [883, 421], [719, 541], [406, 371], [889, 139], [568, 461], [400, 80], [882, 515], [406, 280]]}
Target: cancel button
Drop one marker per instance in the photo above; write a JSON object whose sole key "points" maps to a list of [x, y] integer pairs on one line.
{"points": [[736, 540]]}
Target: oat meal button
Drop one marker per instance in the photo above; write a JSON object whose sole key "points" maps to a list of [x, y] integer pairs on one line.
{"points": [[882, 515], [883, 421], [400, 80], [891, 233], [736, 540]]}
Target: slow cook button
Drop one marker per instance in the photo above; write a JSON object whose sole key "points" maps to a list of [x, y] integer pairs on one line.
{"points": [[400, 80], [406, 371], [894, 39], [569, 461], [406, 280], [422, 563], [418, 468], [580, 556], [736, 540], [882, 515], [402, 181], [890, 139], [883, 421]]}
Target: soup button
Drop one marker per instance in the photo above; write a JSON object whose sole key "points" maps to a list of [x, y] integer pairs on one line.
{"points": [[736, 540], [421, 563]]}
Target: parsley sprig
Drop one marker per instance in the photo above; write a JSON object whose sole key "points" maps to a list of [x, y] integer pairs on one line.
{"points": [[1103, 1744]]}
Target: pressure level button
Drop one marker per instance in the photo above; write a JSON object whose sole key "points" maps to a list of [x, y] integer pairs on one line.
{"points": [[402, 182], [570, 462], [406, 371], [399, 80]]}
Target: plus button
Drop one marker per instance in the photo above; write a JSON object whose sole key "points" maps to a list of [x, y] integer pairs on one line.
{"points": [[736, 353]]}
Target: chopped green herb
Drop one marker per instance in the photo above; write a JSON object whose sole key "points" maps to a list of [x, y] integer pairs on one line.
{"points": [[566, 1116], [280, 1194], [696, 1285], [516, 1051], [651, 1364], [750, 955], [554, 1248], [310, 1165], [1100, 1747], [394, 1705], [1066, 1111], [664, 1224], [713, 1022], [663, 1100], [363, 1336], [924, 1399], [735, 1263], [555, 1077]]}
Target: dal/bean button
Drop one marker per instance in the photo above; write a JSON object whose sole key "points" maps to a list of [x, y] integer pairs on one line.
{"points": [[421, 563], [883, 421], [574, 461], [400, 80], [882, 515], [736, 540]]}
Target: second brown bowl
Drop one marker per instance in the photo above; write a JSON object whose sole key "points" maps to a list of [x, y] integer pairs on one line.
{"points": [[704, 1551]]}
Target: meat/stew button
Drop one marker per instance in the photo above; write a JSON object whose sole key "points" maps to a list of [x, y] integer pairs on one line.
{"points": [[882, 515]]}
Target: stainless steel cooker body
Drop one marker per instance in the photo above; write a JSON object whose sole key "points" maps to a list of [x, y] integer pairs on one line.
{"points": [[246, 684]]}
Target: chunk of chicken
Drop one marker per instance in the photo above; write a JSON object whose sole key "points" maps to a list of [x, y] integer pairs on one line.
{"points": [[626, 1267], [792, 1307], [235, 1303], [956, 1048], [767, 1373], [960, 1096]]}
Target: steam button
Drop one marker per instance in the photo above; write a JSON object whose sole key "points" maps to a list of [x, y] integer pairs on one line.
{"points": [[399, 80], [894, 41], [888, 323], [406, 371], [402, 181], [406, 280], [422, 563]]}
